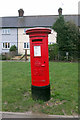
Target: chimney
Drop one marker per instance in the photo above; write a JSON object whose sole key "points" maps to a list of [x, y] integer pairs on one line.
{"points": [[60, 11], [21, 12]]}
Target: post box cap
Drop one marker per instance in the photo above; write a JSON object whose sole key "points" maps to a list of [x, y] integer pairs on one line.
{"points": [[38, 30]]}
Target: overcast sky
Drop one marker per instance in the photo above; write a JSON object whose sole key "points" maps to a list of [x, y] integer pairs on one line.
{"points": [[37, 7]]}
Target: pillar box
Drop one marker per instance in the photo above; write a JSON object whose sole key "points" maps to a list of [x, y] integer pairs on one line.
{"points": [[39, 62]]}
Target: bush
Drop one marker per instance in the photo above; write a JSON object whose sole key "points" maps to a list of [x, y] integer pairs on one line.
{"points": [[0, 57], [13, 48], [72, 56], [3, 57], [53, 51]]}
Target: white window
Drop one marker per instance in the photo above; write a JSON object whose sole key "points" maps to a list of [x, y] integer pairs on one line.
{"points": [[5, 31], [26, 45], [6, 45], [49, 43]]}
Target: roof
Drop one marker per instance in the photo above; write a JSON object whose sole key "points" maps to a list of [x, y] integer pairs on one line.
{"points": [[35, 21]]}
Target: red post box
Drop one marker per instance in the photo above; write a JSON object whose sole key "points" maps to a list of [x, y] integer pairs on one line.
{"points": [[39, 62]]}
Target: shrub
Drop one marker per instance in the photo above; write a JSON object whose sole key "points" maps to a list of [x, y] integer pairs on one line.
{"points": [[13, 48], [53, 51], [0, 57], [3, 57]]}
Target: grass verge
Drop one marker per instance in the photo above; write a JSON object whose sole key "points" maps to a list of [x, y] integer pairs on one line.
{"points": [[16, 89]]}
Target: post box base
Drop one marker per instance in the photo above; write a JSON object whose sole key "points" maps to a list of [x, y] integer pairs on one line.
{"points": [[42, 93]]}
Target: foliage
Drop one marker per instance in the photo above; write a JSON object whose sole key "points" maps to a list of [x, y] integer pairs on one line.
{"points": [[13, 48], [53, 51], [67, 36], [3, 57], [0, 57]]}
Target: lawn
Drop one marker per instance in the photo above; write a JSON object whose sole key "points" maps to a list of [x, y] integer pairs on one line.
{"points": [[16, 89]]}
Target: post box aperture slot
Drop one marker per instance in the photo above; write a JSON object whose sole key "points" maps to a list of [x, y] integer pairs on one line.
{"points": [[37, 40], [37, 51]]}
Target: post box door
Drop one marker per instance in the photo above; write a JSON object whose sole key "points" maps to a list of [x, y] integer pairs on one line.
{"points": [[39, 67]]}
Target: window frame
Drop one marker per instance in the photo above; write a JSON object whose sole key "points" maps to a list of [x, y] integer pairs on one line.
{"points": [[6, 45], [27, 44], [5, 31]]}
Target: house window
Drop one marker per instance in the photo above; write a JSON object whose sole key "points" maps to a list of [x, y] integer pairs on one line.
{"points": [[27, 45], [3, 45], [49, 43], [24, 45], [5, 31], [6, 45]]}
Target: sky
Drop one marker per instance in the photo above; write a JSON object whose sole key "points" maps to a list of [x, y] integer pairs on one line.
{"points": [[38, 7]]}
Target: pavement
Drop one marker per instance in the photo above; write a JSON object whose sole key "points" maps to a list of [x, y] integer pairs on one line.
{"points": [[30, 114]]}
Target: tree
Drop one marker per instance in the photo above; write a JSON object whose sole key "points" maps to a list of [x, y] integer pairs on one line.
{"points": [[59, 28], [67, 35]]}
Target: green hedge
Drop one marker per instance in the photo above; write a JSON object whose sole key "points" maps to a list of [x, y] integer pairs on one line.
{"points": [[53, 51], [72, 56], [56, 54]]}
